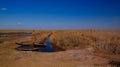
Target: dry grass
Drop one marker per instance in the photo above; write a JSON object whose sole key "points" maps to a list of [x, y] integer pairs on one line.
{"points": [[69, 39], [101, 41], [105, 41]]}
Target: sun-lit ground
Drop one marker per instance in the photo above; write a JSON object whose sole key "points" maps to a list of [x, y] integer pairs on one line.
{"points": [[85, 48]]}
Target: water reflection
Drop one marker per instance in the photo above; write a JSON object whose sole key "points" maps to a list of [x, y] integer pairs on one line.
{"points": [[48, 47], [39, 48]]}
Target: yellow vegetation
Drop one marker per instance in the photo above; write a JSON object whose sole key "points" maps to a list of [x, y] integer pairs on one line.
{"points": [[106, 41], [100, 41]]}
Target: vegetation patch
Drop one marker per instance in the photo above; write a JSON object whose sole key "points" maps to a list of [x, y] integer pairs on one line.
{"points": [[100, 41]]}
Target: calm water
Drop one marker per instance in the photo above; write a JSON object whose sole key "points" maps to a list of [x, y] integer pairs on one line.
{"points": [[48, 47]]}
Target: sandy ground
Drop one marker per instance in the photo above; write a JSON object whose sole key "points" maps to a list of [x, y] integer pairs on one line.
{"points": [[9, 57]]}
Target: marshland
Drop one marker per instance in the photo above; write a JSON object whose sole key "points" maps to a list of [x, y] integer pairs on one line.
{"points": [[72, 48]]}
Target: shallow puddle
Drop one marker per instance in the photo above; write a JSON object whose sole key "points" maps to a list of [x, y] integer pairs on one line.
{"points": [[39, 48]]}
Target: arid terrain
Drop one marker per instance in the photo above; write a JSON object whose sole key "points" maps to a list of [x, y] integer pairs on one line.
{"points": [[73, 48]]}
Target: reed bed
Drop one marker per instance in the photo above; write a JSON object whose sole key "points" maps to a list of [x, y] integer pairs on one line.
{"points": [[101, 41]]}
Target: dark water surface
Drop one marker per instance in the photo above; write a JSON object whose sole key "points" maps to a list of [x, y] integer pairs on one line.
{"points": [[48, 47], [38, 48]]}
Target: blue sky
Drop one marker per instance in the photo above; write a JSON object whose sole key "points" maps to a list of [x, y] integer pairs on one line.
{"points": [[59, 14]]}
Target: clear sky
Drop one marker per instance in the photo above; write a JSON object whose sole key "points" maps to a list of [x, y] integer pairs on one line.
{"points": [[59, 14]]}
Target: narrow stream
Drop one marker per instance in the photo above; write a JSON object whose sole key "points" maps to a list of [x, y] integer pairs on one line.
{"points": [[48, 47]]}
